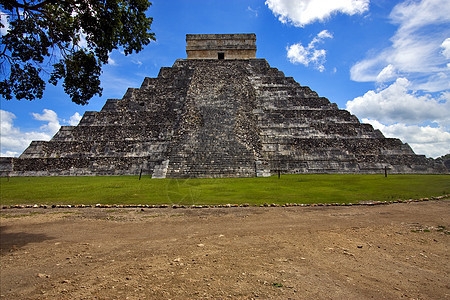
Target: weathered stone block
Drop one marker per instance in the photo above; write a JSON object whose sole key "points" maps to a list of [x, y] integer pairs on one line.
{"points": [[220, 46]]}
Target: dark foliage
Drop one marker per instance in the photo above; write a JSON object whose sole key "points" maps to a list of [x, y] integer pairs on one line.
{"points": [[45, 40]]}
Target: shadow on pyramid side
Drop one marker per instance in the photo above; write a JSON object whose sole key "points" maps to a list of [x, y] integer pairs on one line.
{"points": [[219, 113]]}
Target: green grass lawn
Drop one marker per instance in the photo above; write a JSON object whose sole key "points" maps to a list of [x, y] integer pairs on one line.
{"points": [[254, 191]]}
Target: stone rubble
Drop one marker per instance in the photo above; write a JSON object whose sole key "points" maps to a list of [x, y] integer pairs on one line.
{"points": [[176, 206]]}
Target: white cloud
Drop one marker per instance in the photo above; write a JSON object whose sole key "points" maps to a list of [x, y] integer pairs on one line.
{"points": [[253, 11], [426, 140], [387, 74], [400, 113], [4, 22], [9, 154], [111, 61], [6, 119], [323, 34], [51, 117], [136, 62], [298, 54], [412, 15], [82, 43], [397, 104], [303, 12], [13, 140], [446, 48], [75, 119], [436, 82], [418, 49]]}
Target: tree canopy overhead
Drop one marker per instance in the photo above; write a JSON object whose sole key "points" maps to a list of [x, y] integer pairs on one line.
{"points": [[66, 40]]}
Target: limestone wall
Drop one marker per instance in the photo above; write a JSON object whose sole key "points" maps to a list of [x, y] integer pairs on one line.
{"points": [[220, 46]]}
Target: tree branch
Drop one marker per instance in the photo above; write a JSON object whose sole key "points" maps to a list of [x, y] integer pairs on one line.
{"points": [[26, 7]]}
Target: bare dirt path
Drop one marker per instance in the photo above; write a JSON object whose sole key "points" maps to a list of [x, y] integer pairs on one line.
{"points": [[381, 252]]}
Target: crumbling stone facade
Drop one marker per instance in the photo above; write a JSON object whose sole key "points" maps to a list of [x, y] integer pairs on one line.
{"points": [[204, 118], [221, 46]]}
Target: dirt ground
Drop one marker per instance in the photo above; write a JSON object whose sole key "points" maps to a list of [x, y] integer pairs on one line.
{"points": [[361, 252]]}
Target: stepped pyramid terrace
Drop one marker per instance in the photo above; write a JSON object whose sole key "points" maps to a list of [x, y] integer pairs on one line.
{"points": [[219, 113]]}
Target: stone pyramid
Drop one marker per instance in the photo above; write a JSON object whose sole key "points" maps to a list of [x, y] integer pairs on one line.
{"points": [[219, 113]]}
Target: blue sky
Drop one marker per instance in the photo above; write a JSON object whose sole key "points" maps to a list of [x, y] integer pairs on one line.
{"points": [[387, 62]]}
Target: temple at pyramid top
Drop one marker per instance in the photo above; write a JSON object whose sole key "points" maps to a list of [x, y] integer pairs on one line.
{"points": [[221, 46]]}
